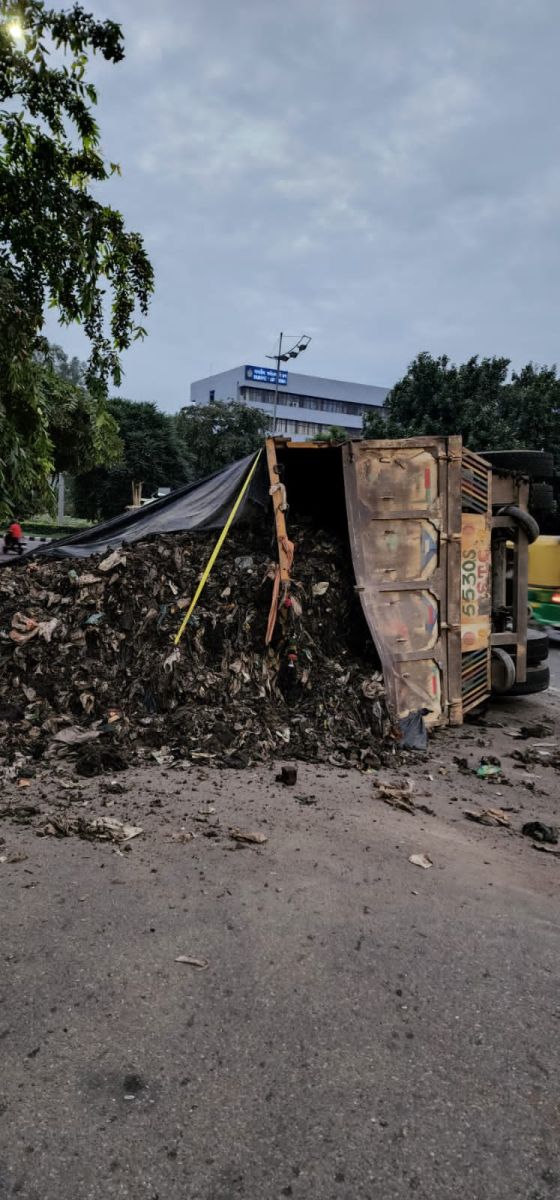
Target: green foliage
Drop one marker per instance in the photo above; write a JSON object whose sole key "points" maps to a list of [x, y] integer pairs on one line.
{"points": [[151, 454], [477, 401], [375, 424], [59, 246], [213, 435], [530, 406], [83, 433], [334, 433]]}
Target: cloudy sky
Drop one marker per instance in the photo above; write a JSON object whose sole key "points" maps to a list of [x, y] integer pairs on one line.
{"points": [[383, 175]]}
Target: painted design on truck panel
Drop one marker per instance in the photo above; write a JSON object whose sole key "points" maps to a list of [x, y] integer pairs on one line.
{"points": [[475, 581]]}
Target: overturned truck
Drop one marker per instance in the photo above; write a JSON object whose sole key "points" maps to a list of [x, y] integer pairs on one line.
{"points": [[407, 557], [439, 547]]}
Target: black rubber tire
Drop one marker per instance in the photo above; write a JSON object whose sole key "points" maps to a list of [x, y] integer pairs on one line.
{"points": [[538, 680], [522, 518], [537, 647], [502, 671], [541, 498], [539, 464]]}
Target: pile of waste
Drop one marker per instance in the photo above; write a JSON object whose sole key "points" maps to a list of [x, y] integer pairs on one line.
{"points": [[88, 664]]}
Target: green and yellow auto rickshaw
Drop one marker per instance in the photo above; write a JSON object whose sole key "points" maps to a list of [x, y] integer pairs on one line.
{"points": [[544, 582]]}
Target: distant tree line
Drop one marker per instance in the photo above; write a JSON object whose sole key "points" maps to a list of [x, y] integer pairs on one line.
{"points": [[105, 451], [160, 449], [479, 399]]}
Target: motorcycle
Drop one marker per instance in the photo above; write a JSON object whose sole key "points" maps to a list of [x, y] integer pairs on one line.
{"points": [[13, 545]]}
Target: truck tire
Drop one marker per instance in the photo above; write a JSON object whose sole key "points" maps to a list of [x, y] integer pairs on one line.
{"points": [[537, 647], [524, 519], [503, 671], [538, 680], [541, 498], [539, 464]]}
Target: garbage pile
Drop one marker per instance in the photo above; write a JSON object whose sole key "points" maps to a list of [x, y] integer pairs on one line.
{"points": [[88, 665]]}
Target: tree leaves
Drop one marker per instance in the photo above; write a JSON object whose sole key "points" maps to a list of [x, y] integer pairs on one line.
{"points": [[151, 453], [59, 245], [216, 434], [476, 400]]}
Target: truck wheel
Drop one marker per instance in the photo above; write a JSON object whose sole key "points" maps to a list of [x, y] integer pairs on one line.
{"points": [[524, 519], [503, 671], [537, 647], [538, 680], [539, 464]]}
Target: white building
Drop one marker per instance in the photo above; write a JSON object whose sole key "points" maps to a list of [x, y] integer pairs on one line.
{"points": [[307, 404]]}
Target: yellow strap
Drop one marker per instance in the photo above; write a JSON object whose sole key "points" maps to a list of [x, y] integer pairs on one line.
{"points": [[215, 553]]}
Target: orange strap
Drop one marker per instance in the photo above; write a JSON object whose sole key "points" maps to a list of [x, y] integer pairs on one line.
{"points": [[288, 548]]}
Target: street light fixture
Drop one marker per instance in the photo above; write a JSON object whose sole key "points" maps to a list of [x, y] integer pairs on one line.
{"points": [[285, 356]]}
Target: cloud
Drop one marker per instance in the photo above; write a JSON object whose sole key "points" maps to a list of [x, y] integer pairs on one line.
{"points": [[381, 175]]}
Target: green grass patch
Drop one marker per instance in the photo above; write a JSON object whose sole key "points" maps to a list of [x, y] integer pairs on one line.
{"points": [[44, 526]]}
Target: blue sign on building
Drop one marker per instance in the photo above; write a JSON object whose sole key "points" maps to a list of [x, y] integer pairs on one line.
{"points": [[266, 375]]}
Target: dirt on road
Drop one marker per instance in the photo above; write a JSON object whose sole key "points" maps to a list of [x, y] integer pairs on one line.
{"points": [[218, 986]]}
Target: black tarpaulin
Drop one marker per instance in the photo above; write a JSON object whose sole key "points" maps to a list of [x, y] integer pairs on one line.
{"points": [[203, 505]]}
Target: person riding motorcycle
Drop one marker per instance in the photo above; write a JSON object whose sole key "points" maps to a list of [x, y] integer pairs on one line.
{"points": [[13, 538]]}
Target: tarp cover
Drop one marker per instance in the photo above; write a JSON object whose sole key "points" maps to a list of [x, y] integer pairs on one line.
{"points": [[202, 505]]}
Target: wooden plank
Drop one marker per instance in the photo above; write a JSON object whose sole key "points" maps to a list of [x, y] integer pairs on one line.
{"points": [[279, 516], [509, 638], [453, 591], [504, 490], [499, 566], [520, 604]]}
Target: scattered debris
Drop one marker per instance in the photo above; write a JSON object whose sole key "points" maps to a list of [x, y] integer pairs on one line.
{"points": [[92, 663], [413, 729], [543, 755], [113, 787], [201, 963], [421, 860], [397, 795], [540, 832], [72, 736], [288, 776], [487, 816], [247, 835], [400, 796], [537, 729], [19, 812], [489, 768], [102, 829]]}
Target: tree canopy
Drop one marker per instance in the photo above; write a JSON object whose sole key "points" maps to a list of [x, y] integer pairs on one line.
{"points": [[151, 454], [476, 399], [83, 434], [59, 245], [334, 433], [213, 435]]}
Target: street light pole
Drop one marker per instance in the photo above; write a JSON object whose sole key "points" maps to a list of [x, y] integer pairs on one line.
{"points": [[275, 405], [281, 356]]}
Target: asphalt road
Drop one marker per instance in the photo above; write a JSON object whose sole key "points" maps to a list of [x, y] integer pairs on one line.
{"points": [[364, 1028]]}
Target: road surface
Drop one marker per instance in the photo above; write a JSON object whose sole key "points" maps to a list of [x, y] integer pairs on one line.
{"points": [[364, 1028]]}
